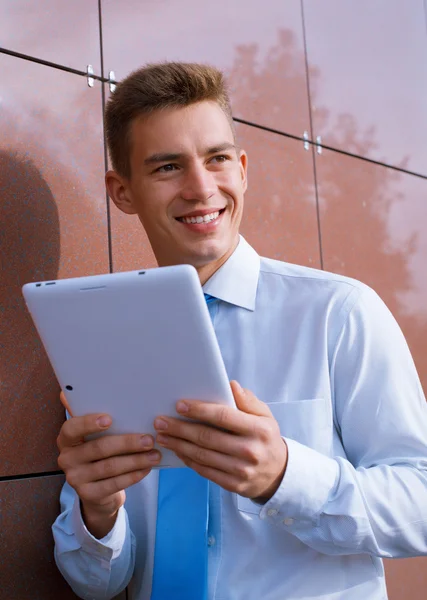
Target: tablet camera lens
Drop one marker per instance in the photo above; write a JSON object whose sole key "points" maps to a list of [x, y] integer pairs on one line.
{"points": [[69, 387]]}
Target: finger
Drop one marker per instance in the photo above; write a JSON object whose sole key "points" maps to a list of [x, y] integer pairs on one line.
{"points": [[103, 448], [76, 429], [202, 435], [247, 402], [64, 403], [217, 415], [238, 447], [112, 467], [204, 456], [224, 480], [99, 490]]}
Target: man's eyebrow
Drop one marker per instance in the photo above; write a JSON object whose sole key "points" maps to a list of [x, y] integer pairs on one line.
{"points": [[221, 148], [164, 157]]}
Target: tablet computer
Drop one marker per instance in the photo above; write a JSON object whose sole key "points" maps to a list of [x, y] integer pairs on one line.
{"points": [[130, 344]]}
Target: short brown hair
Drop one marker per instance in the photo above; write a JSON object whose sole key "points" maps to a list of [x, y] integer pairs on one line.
{"points": [[151, 88]]}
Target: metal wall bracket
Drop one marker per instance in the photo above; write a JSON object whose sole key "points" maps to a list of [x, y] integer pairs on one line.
{"points": [[90, 79], [306, 142], [319, 144], [112, 81]]}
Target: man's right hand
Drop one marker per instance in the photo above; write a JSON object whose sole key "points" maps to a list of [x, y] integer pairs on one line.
{"points": [[100, 470]]}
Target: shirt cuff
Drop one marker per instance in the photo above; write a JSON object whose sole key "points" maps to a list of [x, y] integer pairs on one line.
{"points": [[108, 547], [309, 479]]}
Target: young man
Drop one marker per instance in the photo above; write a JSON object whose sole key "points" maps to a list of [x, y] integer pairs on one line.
{"points": [[323, 469]]}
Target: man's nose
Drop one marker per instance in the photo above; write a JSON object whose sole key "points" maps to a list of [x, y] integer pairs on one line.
{"points": [[199, 184]]}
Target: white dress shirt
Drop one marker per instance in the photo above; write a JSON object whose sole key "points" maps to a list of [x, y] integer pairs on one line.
{"points": [[328, 358]]}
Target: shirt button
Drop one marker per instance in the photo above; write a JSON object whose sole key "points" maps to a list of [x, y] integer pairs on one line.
{"points": [[211, 540], [272, 512], [288, 521]]}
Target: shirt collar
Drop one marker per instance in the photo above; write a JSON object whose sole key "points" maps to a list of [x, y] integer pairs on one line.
{"points": [[236, 281]]}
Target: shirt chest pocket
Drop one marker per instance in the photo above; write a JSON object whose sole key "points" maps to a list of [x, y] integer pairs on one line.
{"points": [[308, 422]]}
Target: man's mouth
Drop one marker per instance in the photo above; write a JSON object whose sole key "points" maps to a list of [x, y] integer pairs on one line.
{"points": [[200, 218]]}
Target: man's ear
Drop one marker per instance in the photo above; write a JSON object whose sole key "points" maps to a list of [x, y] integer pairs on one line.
{"points": [[119, 192], [243, 159]]}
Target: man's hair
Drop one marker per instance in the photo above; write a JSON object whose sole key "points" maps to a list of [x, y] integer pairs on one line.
{"points": [[155, 87]]}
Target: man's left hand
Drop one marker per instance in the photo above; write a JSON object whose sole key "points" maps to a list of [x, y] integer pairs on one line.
{"points": [[240, 450]]}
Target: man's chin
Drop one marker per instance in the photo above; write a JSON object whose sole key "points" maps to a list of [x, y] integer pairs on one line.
{"points": [[206, 252]]}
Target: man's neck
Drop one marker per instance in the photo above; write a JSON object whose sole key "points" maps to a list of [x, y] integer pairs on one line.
{"points": [[205, 272]]}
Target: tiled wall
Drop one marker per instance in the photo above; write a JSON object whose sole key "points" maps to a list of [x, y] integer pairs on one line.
{"points": [[331, 103]]}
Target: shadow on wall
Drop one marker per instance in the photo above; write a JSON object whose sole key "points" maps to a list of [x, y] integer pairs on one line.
{"points": [[30, 251]]}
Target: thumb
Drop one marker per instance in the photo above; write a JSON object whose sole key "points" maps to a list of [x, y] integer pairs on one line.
{"points": [[247, 402]]}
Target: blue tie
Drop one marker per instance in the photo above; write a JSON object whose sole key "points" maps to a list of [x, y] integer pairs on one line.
{"points": [[181, 552], [209, 299]]}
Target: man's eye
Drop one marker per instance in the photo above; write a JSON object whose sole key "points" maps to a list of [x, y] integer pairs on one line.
{"points": [[166, 168], [221, 158]]}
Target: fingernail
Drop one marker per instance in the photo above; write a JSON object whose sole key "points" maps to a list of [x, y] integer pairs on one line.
{"points": [[103, 421], [153, 456], [160, 424], [146, 441], [182, 407], [161, 439]]}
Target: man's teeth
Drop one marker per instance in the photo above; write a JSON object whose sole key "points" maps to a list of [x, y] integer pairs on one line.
{"points": [[205, 219]]}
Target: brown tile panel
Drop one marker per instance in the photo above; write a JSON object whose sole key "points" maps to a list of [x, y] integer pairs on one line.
{"points": [[53, 225], [260, 49], [65, 33], [280, 218], [27, 567], [368, 78], [28, 507], [373, 228]]}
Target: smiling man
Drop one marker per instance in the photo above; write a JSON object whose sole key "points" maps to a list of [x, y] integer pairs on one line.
{"points": [[187, 184], [322, 470]]}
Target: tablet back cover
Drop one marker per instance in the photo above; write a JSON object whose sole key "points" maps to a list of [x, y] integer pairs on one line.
{"points": [[130, 344]]}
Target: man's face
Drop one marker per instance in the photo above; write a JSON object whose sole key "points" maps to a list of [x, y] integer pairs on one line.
{"points": [[187, 184]]}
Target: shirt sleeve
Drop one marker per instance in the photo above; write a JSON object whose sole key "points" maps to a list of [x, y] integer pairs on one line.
{"points": [[375, 500], [95, 569]]}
